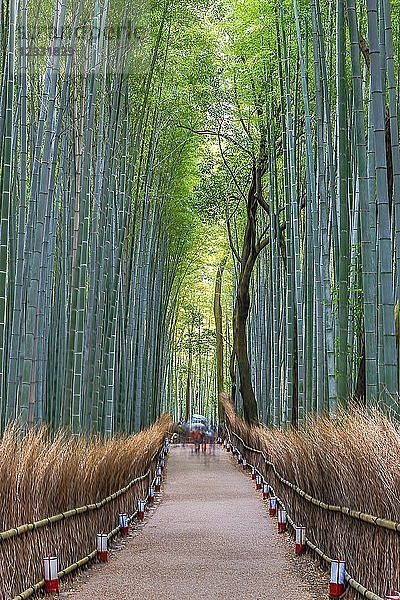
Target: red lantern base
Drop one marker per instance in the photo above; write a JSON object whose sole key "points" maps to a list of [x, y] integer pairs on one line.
{"points": [[272, 512], [157, 488], [102, 556], [140, 515], [281, 527], [300, 549], [336, 590], [51, 586], [124, 530]]}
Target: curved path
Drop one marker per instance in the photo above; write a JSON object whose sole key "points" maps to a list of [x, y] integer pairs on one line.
{"points": [[210, 537]]}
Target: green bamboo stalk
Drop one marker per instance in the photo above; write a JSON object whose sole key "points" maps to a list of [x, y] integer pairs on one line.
{"points": [[323, 191], [394, 138], [7, 160], [343, 277], [368, 254], [387, 371]]}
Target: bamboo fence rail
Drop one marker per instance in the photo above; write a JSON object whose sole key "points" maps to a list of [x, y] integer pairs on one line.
{"points": [[92, 555], [26, 527], [355, 514], [69, 534], [260, 461]]}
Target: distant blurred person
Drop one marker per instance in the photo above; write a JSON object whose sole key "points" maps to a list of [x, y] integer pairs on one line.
{"points": [[204, 441], [213, 436], [182, 433], [197, 439]]}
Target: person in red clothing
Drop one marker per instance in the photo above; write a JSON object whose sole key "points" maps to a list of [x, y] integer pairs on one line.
{"points": [[197, 439]]}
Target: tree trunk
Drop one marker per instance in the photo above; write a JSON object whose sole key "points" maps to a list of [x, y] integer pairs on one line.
{"points": [[219, 335], [189, 378], [240, 348], [361, 385], [250, 250]]}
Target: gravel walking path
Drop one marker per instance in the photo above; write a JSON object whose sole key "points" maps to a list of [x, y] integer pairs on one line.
{"points": [[210, 537]]}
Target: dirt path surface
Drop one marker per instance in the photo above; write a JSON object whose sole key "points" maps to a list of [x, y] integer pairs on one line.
{"points": [[210, 537]]}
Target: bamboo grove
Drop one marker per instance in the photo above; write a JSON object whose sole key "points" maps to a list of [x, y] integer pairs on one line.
{"points": [[331, 270], [92, 218], [303, 169], [154, 153]]}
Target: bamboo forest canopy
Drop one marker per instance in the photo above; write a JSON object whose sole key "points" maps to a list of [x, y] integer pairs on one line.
{"points": [[197, 197]]}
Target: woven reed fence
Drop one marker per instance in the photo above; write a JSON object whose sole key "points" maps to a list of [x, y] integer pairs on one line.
{"points": [[77, 489], [341, 480]]}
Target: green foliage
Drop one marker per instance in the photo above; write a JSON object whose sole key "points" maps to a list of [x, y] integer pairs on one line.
{"points": [[138, 157]]}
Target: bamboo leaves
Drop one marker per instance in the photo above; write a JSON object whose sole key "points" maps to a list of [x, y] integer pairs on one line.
{"points": [[85, 159], [289, 118]]}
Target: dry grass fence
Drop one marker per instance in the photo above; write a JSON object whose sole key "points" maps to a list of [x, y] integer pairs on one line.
{"points": [[43, 475], [351, 461]]}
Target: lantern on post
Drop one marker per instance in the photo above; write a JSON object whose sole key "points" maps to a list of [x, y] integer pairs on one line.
{"points": [[140, 510], [265, 491], [102, 547], [123, 523], [337, 581], [51, 581], [300, 539], [282, 518], [272, 506]]}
